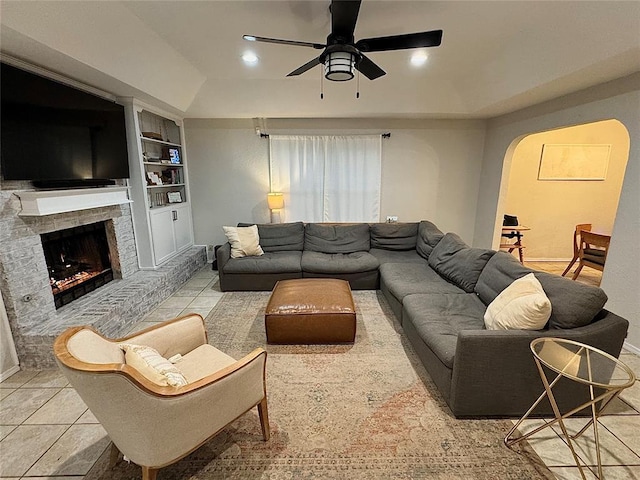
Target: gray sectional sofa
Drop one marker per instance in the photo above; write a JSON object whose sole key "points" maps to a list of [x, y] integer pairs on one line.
{"points": [[438, 288]]}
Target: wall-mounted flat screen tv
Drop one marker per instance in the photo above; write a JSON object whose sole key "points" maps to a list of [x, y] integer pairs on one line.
{"points": [[59, 136]]}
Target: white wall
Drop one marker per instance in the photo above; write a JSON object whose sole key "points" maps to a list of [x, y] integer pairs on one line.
{"points": [[430, 169], [228, 176], [618, 100]]}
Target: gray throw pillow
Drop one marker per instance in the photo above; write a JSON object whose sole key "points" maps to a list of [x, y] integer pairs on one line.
{"points": [[336, 238], [458, 263], [394, 236], [428, 237]]}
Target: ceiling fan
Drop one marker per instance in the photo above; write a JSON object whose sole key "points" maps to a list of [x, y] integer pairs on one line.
{"points": [[342, 53]]}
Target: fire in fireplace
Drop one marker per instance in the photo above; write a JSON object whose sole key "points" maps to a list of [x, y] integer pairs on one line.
{"points": [[78, 261]]}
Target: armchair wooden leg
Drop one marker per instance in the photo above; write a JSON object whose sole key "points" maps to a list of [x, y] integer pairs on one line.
{"points": [[264, 418], [114, 455], [149, 473]]}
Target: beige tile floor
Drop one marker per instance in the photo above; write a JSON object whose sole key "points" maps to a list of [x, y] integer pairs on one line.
{"points": [[46, 431]]}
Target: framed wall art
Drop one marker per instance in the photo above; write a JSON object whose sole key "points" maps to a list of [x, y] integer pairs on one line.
{"points": [[574, 162]]}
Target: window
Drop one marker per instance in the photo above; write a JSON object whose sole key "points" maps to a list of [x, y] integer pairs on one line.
{"points": [[327, 178]]}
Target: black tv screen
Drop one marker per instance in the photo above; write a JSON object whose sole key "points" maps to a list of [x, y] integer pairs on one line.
{"points": [[56, 135]]}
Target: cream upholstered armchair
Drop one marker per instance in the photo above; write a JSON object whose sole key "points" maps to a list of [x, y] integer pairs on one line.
{"points": [[155, 418]]}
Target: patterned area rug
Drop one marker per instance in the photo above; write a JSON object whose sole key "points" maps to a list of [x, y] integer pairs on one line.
{"points": [[362, 411]]}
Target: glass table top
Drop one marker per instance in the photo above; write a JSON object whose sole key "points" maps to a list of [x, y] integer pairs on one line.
{"points": [[582, 363]]}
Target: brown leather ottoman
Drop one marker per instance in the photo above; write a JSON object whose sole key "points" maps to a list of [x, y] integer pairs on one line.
{"points": [[311, 310]]}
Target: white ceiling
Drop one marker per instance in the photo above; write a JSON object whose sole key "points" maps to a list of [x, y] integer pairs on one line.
{"points": [[495, 57]]}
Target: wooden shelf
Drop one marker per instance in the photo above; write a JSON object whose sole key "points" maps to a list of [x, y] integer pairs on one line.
{"points": [[166, 185], [164, 164], [159, 142]]}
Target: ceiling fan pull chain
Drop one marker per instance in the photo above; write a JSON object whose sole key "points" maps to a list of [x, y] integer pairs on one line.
{"points": [[321, 85], [358, 84]]}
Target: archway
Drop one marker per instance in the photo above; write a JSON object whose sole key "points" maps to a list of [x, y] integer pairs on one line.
{"points": [[553, 207]]}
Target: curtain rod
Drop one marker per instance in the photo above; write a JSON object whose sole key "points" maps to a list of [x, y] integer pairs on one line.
{"points": [[383, 135]]}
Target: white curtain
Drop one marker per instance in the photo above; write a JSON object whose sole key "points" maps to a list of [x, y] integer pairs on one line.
{"points": [[327, 178]]}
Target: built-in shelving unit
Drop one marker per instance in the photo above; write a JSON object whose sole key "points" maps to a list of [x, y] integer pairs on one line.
{"points": [[159, 183]]}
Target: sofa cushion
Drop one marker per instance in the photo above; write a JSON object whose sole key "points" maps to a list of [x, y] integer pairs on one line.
{"points": [[277, 237], [428, 237], [523, 305], [396, 256], [244, 241], [338, 263], [439, 318], [573, 304], [270, 262], [203, 361], [404, 279], [457, 262], [394, 236], [336, 238]]}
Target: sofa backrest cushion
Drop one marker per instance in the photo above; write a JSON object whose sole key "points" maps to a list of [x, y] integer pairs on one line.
{"points": [[428, 237], [278, 237], [573, 304], [457, 262], [394, 236], [327, 238]]}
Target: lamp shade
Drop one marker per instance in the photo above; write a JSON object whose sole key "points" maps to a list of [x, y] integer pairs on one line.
{"points": [[275, 200]]}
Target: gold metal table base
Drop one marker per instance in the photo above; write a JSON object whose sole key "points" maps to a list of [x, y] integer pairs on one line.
{"points": [[611, 392]]}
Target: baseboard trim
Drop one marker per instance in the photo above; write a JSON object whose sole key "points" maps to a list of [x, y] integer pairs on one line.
{"points": [[631, 348], [8, 373], [564, 260]]}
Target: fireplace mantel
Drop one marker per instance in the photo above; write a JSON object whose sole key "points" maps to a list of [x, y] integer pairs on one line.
{"points": [[37, 203]]}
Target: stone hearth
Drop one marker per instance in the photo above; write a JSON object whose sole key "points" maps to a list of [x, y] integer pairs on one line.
{"points": [[111, 309]]}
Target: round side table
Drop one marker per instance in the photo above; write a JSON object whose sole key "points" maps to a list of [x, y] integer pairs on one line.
{"points": [[583, 364]]}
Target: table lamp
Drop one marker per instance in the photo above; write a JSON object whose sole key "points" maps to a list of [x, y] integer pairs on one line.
{"points": [[275, 201]]}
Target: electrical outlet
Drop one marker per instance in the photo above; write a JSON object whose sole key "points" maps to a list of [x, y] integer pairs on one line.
{"points": [[392, 218], [209, 248]]}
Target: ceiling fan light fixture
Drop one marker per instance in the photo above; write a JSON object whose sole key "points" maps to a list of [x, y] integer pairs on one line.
{"points": [[339, 66]]}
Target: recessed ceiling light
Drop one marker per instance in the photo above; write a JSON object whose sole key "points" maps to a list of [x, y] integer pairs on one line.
{"points": [[419, 58], [249, 58]]}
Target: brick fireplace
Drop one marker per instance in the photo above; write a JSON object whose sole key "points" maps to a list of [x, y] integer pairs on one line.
{"points": [[78, 261], [25, 277]]}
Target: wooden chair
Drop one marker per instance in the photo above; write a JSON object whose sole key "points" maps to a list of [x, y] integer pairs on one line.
{"points": [[576, 244], [156, 425], [514, 232], [590, 256]]}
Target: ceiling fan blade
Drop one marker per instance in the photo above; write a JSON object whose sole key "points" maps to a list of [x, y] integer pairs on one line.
{"points": [[400, 42], [369, 69], [253, 38], [344, 14], [305, 67]]}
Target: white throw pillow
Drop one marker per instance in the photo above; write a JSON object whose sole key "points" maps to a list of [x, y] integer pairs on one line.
{"points": [[523, 305], [152, 365], [244, 241]]}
